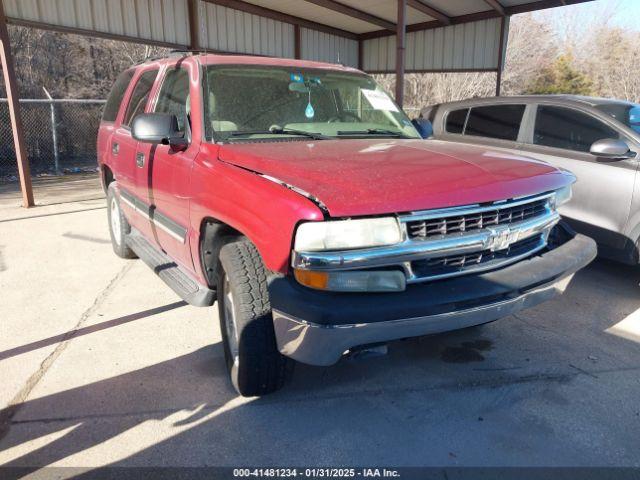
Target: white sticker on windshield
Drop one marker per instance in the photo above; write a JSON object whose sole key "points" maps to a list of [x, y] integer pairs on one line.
{"points": [[379, 100]]}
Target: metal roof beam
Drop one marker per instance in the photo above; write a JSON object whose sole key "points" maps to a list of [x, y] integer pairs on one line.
{"points": [[11, 86], [541, 5], [496, 5], [421, 6], [355, 13], [474, 17], [401, 40], [194, 24], [93, 33], [282, 17]]}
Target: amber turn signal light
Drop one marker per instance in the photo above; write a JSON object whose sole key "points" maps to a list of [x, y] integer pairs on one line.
{"points": [[318, 280]]}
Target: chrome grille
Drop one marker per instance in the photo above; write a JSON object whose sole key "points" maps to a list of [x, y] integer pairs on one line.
{"points": [[452, 265], [494, 215]]}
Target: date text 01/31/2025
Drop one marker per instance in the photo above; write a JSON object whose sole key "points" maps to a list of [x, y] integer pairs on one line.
{"points": [[315, 472]]}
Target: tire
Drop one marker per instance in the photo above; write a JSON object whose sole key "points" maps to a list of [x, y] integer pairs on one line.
{"points": [[255, 365], [119, 227]]}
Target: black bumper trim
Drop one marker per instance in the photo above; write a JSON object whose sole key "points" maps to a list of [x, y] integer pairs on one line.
{"points": [[434, 298]]}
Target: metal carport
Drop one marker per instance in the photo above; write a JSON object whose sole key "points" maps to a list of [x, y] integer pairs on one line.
{"points": [[378, 36]]}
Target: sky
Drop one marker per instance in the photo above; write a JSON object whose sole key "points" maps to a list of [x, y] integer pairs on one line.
{"points": [[627, 12], [623, 13]]}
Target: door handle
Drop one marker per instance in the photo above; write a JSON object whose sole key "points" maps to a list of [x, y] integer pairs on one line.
{"points": [[139, 160], [115, 148]]}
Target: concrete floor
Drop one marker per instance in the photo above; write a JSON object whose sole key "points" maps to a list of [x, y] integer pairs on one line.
{"points": [[101, 364]]}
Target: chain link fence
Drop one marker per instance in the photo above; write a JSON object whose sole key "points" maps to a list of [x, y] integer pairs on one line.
{"points": [[60, 136]]}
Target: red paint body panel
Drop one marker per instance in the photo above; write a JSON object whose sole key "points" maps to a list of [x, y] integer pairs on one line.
{"points": [[267, 213], [369, 177]]}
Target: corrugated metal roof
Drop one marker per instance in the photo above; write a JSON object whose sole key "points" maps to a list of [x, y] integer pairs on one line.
{"points": [[324, 47], [162, 21], [468, 46], [442, 34], [229, 30]]}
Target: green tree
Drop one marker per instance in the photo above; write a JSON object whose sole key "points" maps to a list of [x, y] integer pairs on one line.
{"points": [[561, 77]]}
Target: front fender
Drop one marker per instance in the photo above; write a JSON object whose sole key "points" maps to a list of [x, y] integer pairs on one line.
{"points": [[265, 212]]}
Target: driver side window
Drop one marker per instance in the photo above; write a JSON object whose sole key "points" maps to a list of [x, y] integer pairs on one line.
{"points": [[569, 129], [139, 97], [174, 96]]}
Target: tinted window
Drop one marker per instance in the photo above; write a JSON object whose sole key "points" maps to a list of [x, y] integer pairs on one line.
{"points": [[174, 95], [139, 96], [497, 121], [115, 97], [569, 129], [455, 120]]}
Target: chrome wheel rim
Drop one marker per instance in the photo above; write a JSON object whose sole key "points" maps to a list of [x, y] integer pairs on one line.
{"points": [[230, 321], [115, 220]]}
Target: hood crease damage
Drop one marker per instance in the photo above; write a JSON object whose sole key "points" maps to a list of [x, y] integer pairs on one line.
{"points": [[286, 185]]}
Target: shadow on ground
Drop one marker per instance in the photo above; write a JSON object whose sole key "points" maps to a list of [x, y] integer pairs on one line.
{"points": [[547, 387]]}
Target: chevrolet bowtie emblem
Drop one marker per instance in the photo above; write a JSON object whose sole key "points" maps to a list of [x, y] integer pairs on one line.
{"points": [[501, 238]]}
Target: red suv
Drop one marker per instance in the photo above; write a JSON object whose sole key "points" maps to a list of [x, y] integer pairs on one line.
{"points": [[301, 197]]}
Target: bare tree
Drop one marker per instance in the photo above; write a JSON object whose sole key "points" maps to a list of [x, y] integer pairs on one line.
{"points": [[71, 65], [533, 46], [574, 25], [612, 63], [524, 59]]}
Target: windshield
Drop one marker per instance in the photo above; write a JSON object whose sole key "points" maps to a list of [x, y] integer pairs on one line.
{"points": [[626, 113], [252, 102]]}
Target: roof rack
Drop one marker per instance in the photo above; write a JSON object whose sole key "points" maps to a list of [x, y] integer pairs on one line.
{"points": [[189, 51], [178, 52]]}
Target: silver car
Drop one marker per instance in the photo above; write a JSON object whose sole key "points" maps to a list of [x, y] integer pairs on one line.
{"points": [[596, 139]]}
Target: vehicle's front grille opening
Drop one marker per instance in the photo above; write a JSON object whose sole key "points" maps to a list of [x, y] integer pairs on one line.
{"points": [[453, 264], [435, 227]]}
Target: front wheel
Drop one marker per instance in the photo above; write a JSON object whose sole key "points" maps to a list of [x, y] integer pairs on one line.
{"points": [[255, 365]]}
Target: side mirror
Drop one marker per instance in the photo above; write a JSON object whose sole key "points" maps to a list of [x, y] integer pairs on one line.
{"points": [[612, 149], [157, 128], [423, 126]]}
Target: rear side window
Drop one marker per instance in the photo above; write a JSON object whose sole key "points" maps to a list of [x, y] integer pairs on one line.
{"points": [[496, 121], [569, 129], [174, 96], [139, 96], [456, 120], [112, 106]]}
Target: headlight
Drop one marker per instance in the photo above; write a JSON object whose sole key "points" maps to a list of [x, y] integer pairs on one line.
{"points": [[563, 195], [347, 234]]}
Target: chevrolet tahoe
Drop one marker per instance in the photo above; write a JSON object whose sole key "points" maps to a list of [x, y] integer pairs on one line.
{"points": [[300, 197]]}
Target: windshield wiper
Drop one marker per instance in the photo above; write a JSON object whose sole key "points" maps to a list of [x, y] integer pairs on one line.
{"points": [[373, 131], [276, 130]]}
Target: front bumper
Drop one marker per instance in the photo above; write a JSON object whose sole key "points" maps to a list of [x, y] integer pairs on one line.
{"points": [[317, 327]]}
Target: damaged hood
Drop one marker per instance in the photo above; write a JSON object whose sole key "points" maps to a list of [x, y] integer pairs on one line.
{"points": [[368, 177]]}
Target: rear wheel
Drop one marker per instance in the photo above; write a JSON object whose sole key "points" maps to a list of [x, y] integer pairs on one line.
{"points": [[118, 225], [255, 365]]}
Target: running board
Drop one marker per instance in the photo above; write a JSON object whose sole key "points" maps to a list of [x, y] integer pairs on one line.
{"points": [[185, 287]]}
